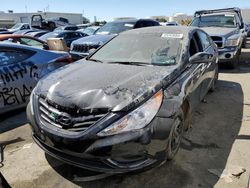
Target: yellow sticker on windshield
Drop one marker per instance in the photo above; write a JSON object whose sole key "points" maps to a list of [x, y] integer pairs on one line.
{"points": [[175, 36]]}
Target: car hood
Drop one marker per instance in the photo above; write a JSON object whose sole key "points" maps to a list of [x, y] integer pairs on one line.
{"points": [[220, 31], [94, 39], [86, 85], [13, 30]]}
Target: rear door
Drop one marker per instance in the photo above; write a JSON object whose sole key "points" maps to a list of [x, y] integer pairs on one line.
{"points": [[18, 76]]}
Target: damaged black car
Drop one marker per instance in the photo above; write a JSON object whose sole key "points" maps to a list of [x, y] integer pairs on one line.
{"points": [[125, 107]]}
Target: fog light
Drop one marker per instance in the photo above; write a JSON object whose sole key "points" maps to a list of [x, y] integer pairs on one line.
{"points": [[227, 56]]}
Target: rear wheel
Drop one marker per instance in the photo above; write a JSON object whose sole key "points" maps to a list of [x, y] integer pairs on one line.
{"points": [[175, 136]]}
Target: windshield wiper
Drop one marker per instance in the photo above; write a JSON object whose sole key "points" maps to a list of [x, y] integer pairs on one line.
{"points": [[95, 60], [128, 63]]}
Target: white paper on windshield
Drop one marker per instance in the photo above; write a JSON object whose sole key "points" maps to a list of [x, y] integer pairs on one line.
{"points": [[229, 15], [128, 25], [174, 36]]}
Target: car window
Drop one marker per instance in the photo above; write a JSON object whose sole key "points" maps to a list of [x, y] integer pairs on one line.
{"points": [[148, 23], [193, 47], [31, 42], [70, 35], [10, 56], [63, 35], [205, 41], [140, 24]]}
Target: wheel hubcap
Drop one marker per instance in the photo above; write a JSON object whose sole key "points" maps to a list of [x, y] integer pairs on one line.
{"points": [[176, 135]]}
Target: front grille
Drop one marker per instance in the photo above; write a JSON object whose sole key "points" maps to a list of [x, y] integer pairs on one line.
{"points": [[218, 41], [69, 120], [84, 48]]}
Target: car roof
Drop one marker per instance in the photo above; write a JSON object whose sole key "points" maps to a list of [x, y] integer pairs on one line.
{"points": [[6, 36], [20, 46], [133, 20], [64, 31]]}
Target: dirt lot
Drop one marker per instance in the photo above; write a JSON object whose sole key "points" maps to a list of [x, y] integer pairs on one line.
{"points": [[215, 148]]}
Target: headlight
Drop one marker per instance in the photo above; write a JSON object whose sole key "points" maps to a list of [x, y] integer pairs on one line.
{"points": [[233, 41], [71, 46], [31, 102], [136, 119]]}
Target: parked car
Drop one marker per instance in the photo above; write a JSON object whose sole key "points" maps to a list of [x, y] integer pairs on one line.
{"points": [[24, 40], [126, 106], [19, 26], [89, 30], [20, 69], [37, 34], [226, 28], [25, 31], [68, 36], [37, 21], [67, 28], [80, 48]]}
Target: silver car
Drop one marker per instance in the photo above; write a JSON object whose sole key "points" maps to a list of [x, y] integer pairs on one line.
{"points": [[20, 69]]}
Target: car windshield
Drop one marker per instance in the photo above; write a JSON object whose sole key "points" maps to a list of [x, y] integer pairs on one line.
{"points": [[156, 49], [16, 26], [215, 21], [115, 27], [59, 29], [89, 30], [48, 35]]}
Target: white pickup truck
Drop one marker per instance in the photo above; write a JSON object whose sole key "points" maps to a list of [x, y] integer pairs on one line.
{"points": [[227, 30]]}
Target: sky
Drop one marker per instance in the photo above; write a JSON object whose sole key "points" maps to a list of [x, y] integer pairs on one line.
{"points": [[108, 9]]}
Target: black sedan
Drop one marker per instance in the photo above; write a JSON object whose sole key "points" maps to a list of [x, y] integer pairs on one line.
{"points": [[68, 36], [125, 107]]}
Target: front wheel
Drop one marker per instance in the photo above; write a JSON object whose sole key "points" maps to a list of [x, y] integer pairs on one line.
{"points": [[175, 137], [216, 76], [235, 62]]}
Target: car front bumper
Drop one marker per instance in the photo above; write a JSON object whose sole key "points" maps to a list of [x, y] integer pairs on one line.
{"points": [[228, 54], [132, 151]]}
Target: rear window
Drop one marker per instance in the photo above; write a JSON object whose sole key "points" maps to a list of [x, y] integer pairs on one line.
{"points": [[10, 56], [49, 35], [115, 27]]}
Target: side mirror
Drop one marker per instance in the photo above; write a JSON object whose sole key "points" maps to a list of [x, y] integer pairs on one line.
{"points": [[45, 46], [201, 57]]}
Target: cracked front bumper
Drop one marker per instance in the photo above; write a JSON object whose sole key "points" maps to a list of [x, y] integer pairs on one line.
{"points": [[131, 151]]}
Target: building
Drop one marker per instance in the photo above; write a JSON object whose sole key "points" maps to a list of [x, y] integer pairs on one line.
{"points": [[10, 18], [246, 15]]}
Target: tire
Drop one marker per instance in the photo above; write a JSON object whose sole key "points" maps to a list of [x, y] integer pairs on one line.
{"points": [[175, 136], [235, 62], [213, 86]]}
